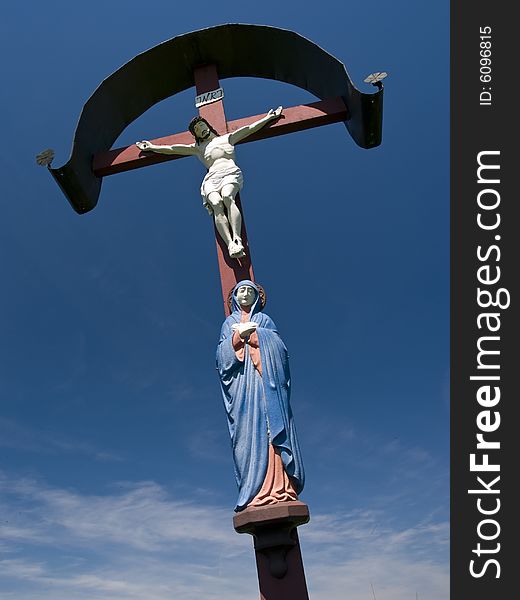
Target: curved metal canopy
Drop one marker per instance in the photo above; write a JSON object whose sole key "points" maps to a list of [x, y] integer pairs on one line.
{"points": [[238, 51]]}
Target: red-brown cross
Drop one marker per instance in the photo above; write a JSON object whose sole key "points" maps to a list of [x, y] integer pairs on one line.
{"points": [[297, 118]]}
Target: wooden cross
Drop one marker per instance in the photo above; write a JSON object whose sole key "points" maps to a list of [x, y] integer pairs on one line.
{"points": [[298, 118]]}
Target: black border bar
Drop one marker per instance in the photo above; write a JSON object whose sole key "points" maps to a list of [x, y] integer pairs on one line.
{"points": [[485, 353]]}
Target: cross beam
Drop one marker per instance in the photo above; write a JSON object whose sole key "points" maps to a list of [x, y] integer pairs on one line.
{"points": [[295, 118]]}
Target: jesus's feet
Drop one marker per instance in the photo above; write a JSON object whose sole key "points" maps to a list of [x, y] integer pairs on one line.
{"points": [[236, 249]]}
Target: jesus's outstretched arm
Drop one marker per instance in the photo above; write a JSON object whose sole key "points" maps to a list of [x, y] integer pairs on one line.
{"points": [[247, 130], [184, 149]]}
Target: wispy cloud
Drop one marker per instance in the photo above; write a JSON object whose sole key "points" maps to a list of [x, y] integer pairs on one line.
{"points": [[138, 542], [20, 437]]}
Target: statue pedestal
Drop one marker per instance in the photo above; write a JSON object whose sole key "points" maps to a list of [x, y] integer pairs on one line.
{"points": [[277, 548]]}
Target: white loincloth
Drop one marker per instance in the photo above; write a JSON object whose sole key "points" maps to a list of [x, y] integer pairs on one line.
{"points": [[216, 180]]}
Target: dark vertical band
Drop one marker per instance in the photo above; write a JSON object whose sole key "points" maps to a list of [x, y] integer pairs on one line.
{"points": [[484, 287]]}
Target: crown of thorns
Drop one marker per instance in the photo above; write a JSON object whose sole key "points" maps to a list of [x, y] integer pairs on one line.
{"points": [[261, 291]]}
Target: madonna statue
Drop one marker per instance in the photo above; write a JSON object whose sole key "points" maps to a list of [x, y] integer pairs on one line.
{"points": [[253, 366]]}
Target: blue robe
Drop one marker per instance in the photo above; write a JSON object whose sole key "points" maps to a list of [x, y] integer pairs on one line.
{"points": [[257, 406]]}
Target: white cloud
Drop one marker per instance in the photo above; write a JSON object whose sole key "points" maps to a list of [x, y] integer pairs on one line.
{"points": [[140, 543], [393, 578]]}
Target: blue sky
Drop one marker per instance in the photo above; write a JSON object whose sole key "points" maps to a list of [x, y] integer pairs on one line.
{"points": [[116, 477]]}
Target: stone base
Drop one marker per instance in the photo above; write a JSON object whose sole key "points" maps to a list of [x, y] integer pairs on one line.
{"points": [[249, 519], [277, 548]]}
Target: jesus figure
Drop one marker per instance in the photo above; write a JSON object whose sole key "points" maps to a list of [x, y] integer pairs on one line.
{"points": [[224, 178]]}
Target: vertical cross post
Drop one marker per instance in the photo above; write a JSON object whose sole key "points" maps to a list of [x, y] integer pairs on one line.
{"points": [[232, 270], [277, 548]]}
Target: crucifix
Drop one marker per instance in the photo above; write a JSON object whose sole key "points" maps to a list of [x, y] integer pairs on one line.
{"points": [[298, 118], [252, 359], [224, 179]]}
